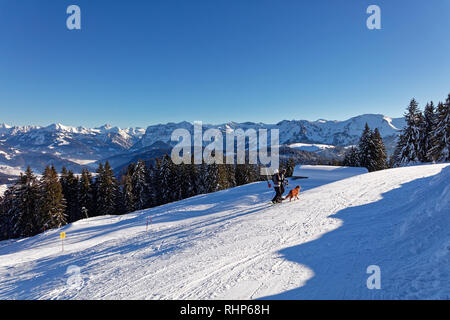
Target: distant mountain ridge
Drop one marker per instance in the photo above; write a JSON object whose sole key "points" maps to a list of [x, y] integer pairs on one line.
{"points": [[78, 147], [340, 133]]}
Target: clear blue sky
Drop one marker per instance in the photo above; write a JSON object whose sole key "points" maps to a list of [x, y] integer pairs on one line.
{"points": [[136, 63]]}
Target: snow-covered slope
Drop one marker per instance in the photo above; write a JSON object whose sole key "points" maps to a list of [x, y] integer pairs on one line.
{"points": [[314, 147], [320, 175], [3, 188], [233, 244]]}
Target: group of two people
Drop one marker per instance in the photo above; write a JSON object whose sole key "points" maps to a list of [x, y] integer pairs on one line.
{"points": [[279, 181]]}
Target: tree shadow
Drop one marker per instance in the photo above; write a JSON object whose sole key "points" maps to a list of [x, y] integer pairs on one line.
{"points": [[405, 233]]}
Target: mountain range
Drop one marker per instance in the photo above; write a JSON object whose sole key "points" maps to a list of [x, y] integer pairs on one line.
{"points": [[79, 147]]}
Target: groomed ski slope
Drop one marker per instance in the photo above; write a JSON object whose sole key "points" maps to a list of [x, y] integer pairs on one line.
{"points": [[234, 245]]}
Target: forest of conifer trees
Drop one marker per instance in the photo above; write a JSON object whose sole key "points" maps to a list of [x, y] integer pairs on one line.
{"points": [[33, 205], [425, 138], [370, 153]]}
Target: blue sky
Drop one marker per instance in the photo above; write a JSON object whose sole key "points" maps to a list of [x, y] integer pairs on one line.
{"points": [[136, 63]]}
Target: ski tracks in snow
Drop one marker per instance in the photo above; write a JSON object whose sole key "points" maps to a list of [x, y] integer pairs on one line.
{"points": [[226, 245]]}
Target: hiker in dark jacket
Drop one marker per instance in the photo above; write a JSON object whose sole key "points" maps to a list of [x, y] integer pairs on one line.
{"points": [[278, 184]]}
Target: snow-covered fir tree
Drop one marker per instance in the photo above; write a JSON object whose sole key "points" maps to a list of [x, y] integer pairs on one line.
{"points": [[351, 158], [52, 205], [212, 178], [370, 153], [24, 214], [202, 178], [168, 181], [156, 178], [141, 185], [365, 148], [440, 137], [409, 146], [193, 172], [128, 198], [378, 152], [231, 175], [290, 166], [426, 132], [107, 191], [70, 187], [7, 205], [186, 180], [86, 196]]}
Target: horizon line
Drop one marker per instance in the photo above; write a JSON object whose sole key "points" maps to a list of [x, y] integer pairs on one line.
{"points": [[183, 121]]}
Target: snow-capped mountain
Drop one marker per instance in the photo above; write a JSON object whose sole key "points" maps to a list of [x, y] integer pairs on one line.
{"points": [[77, 147], [63, 145], [57, 135], [340, 133]]}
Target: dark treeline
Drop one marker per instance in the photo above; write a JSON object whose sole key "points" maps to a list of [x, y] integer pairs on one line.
{"points": [[426, 137], [33, 205], [370, 153]]}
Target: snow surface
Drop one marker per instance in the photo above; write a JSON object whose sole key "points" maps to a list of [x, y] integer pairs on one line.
{"points": [[3, 188], [7, 156], [325, 174], [312, 147], [90, 163], [233, 244], [9, 170]]}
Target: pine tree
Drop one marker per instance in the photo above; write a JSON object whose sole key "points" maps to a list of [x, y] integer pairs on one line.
{"points": [[290, 167], [168, 182], [8, 212], [202, 179], [378, 152], [156, 179], [107, 191], [95, 189], [223, 181], [193, 179], [52, 204], [152, 191], [185, 180], [241, 174], [70, 188], [212, 178], [24, 216], [351, 158], [396, 156], [129, 200], [63, 178], [409, 148], [231, 175], [86, 196], [426, 132], [141, 186], [366, 149], [253, 173], [440, 140]]}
